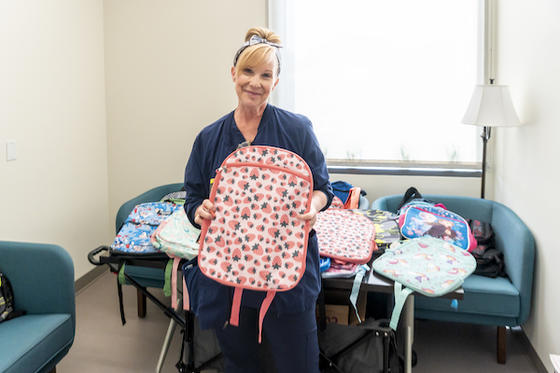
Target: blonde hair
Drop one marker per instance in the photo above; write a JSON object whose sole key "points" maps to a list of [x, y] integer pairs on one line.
{"points": [[253, 55]]}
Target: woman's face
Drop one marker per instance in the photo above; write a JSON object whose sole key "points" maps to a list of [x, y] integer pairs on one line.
{"points": [[253, 84]]}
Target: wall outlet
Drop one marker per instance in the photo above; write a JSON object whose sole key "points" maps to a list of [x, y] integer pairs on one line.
{"points": [[11, 150]]}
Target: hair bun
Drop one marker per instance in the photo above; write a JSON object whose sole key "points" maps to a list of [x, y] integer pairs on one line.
{"points": [[264, 34]]}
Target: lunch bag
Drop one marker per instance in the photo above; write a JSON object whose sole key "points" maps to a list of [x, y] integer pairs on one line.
{"points": [[419, 218], [256, 241], [427, 265]]}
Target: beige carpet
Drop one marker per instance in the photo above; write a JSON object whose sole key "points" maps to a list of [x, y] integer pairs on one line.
{"points": [[102, 344]]}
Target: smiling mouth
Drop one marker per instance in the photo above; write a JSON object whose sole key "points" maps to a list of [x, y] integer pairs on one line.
{"points": [[252, 93]]}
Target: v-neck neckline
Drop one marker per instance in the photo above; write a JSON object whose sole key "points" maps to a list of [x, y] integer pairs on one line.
{"points": [[262, 124]]}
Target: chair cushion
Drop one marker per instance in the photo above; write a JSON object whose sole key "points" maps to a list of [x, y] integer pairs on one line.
{"points": [[146, 276], [483, 296], [29, 342]]}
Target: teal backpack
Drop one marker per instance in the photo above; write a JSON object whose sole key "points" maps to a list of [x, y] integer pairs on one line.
{"points": [[427, 265]]}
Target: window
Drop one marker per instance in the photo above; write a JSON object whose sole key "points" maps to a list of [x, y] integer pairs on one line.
{"points": [[384, 82]]}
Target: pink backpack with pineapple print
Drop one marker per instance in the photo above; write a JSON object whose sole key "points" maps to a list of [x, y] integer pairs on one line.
{"points": [[256, 240]]}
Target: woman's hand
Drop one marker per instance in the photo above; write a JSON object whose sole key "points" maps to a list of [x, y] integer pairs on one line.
{"points": [[318, 201], [310, 216], [205, 211]]}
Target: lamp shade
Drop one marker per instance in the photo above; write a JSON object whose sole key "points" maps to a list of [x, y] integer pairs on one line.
{"points": [[491, 106]]}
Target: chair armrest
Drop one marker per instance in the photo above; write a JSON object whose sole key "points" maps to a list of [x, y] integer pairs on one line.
{"points": [[364, 203], [387, 203], [152, 195], [517, 243], [42, 277]]}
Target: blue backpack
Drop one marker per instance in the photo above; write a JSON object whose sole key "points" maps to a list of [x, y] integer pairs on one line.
{"points": [[341, 189]]}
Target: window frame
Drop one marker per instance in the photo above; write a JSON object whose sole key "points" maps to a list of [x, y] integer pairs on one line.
{"points": [[485, 72]]}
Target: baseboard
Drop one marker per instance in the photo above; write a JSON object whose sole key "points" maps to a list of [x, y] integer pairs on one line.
{"points": [[541, 368], [89, 277]]}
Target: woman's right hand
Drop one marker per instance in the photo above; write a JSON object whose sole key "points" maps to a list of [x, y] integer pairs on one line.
{"points": [[205, 211]]}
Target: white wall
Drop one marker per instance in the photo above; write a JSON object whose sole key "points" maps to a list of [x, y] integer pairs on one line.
{"points": [[52, 103], [168, 75], [527, 177]]}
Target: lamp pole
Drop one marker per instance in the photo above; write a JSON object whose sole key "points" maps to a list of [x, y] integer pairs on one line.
{"points": [[485, 137], [486, 130]]}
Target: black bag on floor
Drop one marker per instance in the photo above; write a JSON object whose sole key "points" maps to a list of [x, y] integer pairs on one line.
{"points": [[368, 347]]}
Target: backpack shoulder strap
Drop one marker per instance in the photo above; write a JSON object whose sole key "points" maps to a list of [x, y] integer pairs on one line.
{"points": [[353, 200], [400, 297], [410, 194]]}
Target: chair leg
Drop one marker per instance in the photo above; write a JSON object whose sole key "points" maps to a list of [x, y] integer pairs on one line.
{"points": [[501, 347], [141, 298]]}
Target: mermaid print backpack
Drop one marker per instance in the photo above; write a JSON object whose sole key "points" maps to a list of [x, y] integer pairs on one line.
{"points": [[256, 240], [427, 265]]}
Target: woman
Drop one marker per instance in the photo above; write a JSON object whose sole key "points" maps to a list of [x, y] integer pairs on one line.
{"points": [[289, 327]]}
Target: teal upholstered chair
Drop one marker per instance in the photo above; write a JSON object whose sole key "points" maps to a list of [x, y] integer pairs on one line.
{"points": [[491, 301], [145, 276], [42, 278]]}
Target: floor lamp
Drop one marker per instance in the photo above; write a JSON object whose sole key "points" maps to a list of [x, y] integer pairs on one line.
{"points": [[490, 106]]}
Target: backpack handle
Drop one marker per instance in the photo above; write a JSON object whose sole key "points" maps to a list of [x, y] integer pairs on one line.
{"points": [[410, 194]]}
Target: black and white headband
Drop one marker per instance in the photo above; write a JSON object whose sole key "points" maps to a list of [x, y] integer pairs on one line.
{"points": [[254, 40]]}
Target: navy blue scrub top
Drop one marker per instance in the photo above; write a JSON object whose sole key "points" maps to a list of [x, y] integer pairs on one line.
{"points": [[210, 300]]}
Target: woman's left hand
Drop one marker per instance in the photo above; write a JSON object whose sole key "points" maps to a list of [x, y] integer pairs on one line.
{"points": [[318, 201], [310, 216]]}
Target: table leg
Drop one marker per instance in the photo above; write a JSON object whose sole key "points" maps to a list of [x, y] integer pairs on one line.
{"points": [[166, 343], [171, 327], [409, 332]]}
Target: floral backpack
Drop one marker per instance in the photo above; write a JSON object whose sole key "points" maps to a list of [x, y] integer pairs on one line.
{"points": [[345, 235], [348, 238], [256, 240], [427, 265]]}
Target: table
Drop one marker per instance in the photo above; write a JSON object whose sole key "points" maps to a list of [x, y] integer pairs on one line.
{"points": [[373, 282]]}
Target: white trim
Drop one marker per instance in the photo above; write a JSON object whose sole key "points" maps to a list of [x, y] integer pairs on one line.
{"points": [[489, 57]]}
